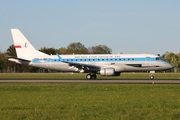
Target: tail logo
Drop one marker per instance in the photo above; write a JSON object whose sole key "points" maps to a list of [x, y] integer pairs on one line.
{"points": [[25, 45]]}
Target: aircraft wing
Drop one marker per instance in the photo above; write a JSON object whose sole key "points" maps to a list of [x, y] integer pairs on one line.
{"points": [[81, 66], [85, 67]]}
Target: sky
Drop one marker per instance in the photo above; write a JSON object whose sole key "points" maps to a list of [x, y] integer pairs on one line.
{"points": [[127, 26]]}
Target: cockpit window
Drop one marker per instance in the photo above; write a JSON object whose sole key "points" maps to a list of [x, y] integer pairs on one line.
{"points": [[163, 59], [158, 58]]}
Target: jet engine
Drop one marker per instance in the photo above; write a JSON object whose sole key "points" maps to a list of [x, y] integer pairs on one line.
{"points": [[109, 72]]}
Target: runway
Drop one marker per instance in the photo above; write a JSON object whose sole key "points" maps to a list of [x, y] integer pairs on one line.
{"points": [[96, 81]]}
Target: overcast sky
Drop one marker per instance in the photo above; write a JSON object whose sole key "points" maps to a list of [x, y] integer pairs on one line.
{"points": [[128, 26]]}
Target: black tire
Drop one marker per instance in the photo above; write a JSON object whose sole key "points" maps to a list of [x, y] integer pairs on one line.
{"points": [[151, 77], [88, 76], [93, 76]]}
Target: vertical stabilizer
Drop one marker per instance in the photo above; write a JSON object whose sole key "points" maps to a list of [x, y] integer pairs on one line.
{"points": [[24, 48]]}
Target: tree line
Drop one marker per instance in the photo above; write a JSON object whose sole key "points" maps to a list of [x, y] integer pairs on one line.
{"points": [[73, 48]]}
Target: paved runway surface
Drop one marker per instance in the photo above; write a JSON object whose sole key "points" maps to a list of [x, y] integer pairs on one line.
{"points": [[96, 81]]}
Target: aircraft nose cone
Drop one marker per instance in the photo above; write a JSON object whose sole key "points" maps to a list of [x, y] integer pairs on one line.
{"points": [[170, 66]]}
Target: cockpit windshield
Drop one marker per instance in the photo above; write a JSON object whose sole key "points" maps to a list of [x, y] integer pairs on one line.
{"points": [[163, 59], [157, 58], [160, 58]]}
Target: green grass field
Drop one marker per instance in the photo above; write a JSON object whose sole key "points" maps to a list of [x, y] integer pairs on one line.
{"points": [[83, 76], [38, 101]]}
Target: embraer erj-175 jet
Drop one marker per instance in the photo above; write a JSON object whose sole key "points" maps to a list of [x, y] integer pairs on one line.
{"points": [[103, 64]]}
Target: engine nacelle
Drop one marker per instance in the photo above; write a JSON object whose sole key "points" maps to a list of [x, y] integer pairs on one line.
{"points": [[107, 72]]}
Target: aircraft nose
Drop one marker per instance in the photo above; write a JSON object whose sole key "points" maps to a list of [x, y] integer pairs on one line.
{"points": [[170, 66]]}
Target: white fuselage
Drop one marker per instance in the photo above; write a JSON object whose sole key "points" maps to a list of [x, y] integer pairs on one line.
{"points": [[120, 62], [103, 64]]}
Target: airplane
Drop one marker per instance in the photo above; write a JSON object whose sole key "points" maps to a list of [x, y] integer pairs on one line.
{"points": [[92, 64]]}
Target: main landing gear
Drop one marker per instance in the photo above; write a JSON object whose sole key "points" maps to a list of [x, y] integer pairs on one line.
{"points": [[91, 76]]}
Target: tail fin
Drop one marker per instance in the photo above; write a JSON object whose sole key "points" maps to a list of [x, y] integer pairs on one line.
{"points": [[24, 48]]}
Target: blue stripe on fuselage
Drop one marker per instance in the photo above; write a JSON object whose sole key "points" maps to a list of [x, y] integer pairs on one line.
{"points": [[93, 60]]}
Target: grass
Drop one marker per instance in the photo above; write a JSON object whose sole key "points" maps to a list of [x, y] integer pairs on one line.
{"points": [[83, 76], [88, 101]]}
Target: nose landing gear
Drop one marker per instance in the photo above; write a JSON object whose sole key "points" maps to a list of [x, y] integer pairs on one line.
{"points": [[151, 75]]}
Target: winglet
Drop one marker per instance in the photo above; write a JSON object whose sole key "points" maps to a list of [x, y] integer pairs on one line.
{"points": [[59, 56]]}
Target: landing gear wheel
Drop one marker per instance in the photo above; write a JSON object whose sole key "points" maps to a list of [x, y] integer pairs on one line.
{"points": [[152, 77], [88, 76], [151, 74], [91, 76]]}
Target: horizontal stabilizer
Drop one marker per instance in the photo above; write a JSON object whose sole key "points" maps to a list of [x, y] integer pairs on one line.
{"points": [[18, 60]]}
